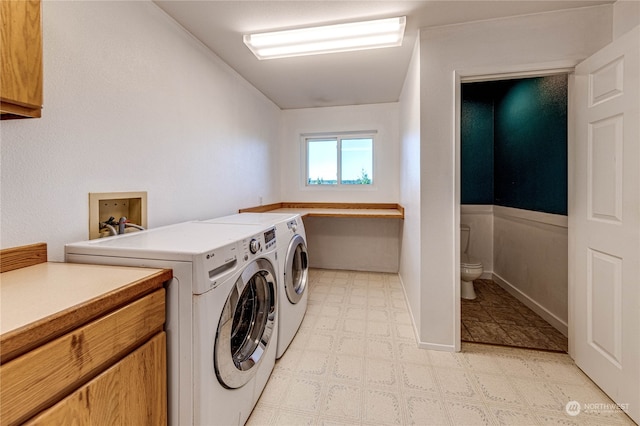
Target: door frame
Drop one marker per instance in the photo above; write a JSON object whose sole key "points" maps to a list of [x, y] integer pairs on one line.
{"points": [[469, 75]]}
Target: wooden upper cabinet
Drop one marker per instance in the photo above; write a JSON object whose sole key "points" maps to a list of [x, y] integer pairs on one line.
{"points": [[21, 58]]}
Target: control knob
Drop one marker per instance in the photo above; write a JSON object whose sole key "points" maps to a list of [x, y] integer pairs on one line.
{"points": [[254, 246]]}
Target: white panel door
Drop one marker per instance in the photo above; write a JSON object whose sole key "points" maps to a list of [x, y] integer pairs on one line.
{"points": [[605, 272]]}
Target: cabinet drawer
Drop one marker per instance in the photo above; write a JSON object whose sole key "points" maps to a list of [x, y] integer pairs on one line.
{"points": [[132, 392], [40, 378]]}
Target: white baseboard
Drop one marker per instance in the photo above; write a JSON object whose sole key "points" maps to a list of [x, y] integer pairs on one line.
{"points": [[423, 345], [556, 322], [436, 347], [406, 301], [389, 269]]}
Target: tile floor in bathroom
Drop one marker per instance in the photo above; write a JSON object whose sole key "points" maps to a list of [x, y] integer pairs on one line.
{"points": [[355, 361], [496, 317]]}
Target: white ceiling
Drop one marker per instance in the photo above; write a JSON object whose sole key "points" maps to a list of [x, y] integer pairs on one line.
{"points": [[352, 78]]}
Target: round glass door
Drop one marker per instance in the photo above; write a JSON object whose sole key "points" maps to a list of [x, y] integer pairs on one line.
{"points": [[246, 325], [296, 269]]}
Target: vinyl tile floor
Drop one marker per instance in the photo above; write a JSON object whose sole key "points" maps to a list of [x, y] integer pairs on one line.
{"points": [[355, 361], [496, 317]]}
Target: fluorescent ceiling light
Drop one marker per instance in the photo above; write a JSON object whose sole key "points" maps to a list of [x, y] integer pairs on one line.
{"points": [[327, 39]]}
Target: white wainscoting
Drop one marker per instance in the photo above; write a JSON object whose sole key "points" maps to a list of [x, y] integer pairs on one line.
{"points": [[480, 220], [524, 252], [530, 261]]}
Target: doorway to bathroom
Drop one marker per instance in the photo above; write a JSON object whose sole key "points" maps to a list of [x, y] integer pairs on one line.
{"points": [[513, 199]]}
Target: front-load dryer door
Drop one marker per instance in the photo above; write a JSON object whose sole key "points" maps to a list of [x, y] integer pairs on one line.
{"points": [[296, 269], [246, 325]]}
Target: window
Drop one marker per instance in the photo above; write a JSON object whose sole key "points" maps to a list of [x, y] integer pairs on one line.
{"points": [[339, 159]]}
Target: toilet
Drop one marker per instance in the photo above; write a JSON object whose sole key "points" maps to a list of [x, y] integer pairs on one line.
{"points": [[470, 268]]}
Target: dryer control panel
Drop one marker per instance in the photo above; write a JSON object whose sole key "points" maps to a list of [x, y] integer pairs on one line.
{"points": [[292, 225]]}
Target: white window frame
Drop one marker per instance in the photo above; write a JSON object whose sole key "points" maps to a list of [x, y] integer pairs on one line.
{"points": [[339, 136]]}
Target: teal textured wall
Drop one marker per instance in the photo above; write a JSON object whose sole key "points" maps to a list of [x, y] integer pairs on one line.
{"points": [[527, 138], [476, 155]]}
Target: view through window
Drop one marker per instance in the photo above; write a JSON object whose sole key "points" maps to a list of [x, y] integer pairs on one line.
{"points": [[340, 160]]}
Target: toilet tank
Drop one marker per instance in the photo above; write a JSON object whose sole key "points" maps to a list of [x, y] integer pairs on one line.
{"points": [[465, 236]]}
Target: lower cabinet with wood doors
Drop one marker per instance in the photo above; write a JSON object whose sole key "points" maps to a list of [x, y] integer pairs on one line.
{"points": [[100, 361]]}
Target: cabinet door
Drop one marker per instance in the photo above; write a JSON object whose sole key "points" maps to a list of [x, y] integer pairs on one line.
{"points": [[21, 58], [48, 373], [132, 392]]}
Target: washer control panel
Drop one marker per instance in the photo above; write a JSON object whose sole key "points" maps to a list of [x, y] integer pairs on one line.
{"points": [[270, 238], [259, 243], [215, 267]]}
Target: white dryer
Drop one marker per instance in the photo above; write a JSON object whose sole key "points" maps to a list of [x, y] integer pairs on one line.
{"points": [[222, 312], [293, 265]]}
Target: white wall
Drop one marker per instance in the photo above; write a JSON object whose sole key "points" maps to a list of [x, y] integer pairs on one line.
{"points": [[409, 270], [357, 244], [493, 46], [337, 243], [133, 103], [380, 117], [626, 15]]}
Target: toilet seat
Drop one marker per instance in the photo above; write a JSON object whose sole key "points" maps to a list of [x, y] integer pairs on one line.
{"points": [[469, 262]]}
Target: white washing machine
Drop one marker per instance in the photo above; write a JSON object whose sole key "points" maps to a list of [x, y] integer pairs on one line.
{"points": [[293, 268], [222, 311]]}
